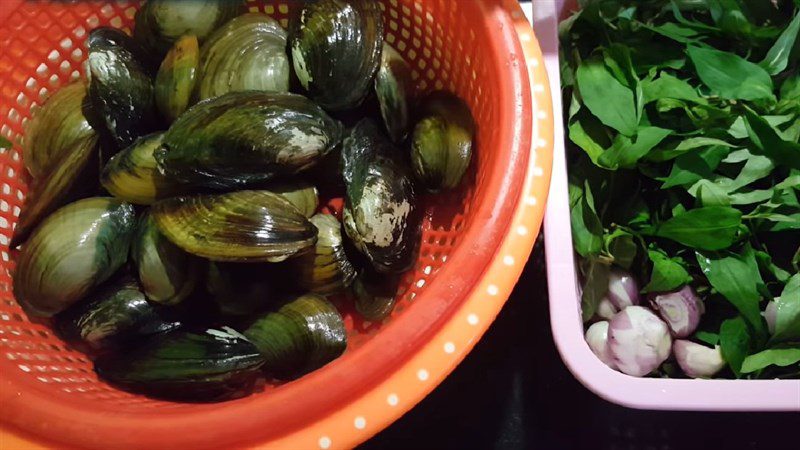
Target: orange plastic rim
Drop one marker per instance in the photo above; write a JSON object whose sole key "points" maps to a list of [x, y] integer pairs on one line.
{"points": [[475, 244]]}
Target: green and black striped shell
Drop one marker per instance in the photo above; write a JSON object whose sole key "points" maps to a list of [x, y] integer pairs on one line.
{"points": [[242, 138], [71, 252], [303, 335], [381, 214], [336, 48], [177, 77], [327, 270], [215, 365], [116, 315], [242, 226]]}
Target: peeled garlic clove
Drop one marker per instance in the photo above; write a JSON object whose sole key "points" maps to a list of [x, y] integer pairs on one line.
{"points": [[638, 341], [597, 338], [681, 310]]}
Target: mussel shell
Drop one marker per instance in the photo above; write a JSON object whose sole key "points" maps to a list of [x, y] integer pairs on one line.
{"points": [[121, 88], [159, 23], [247, 53], [75, 249], [336, 49], [394, 88], [241, 289], [72, 178], [212, 366], [375, 294], [133, 175], [243, 226], [303, 335], [380, 215], [176, 78], [117, 314], [327, 270], [56, 129], [301, 194], [167, 273], [442, 142], [242, 138]]}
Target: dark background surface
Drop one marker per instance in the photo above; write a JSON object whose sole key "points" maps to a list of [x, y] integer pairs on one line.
{"points": [[514, 392]]}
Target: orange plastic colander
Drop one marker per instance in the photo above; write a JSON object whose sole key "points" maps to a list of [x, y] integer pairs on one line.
{"points": [[475, 243]]}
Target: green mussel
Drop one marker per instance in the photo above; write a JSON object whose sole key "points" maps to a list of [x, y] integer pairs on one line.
{"points": [[116, 315], [133, 175], [75, 249], [247, 53], [176, 78], [56, 129], [242, 226], [327, 270], [241, 289], [394, 89], [441, 147], [299, 193], [159, 23], [167, 273], [242, 138], [381, 215], [74, 177], [121, 86], [301, 336], [375, 294], [214, 365], [336, 48]]}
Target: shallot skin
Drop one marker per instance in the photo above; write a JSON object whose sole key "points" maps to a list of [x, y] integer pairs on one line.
{"points": [[638, 341]]}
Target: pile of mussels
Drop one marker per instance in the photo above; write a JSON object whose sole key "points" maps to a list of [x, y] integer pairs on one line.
{"points": [[172, 227]]}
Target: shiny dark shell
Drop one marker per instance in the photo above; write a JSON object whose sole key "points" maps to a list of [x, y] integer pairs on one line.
{"points": [[242, 138], [336, 48]]}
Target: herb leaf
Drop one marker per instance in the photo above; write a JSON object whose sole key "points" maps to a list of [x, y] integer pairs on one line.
{"points": [[668, 274], [768, 142], [708, 228], [596, 286], [787, 317], [607, 98], [777, 58], [736, 277], [730, 75], [778, 356], [735, 342]]}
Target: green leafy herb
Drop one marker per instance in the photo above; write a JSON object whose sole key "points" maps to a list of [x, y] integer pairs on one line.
{"points": [[607, 98], [684, 117], [706, 228], [667, 274], [779, 356], [731, 76], [734, 340]]}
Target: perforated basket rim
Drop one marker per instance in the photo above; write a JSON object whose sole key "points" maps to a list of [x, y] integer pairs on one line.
{"points": [[532, 139]]}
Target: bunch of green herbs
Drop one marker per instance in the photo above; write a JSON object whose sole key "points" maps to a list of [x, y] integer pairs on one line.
{"points": [[684, 163]]}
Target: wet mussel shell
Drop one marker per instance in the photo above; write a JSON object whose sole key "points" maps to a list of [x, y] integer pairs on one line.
{"points": [[214, 365], [336, 49], [441, 147], [160, 23], [375, 294], [116, 315], [71, 252], [303, 335], [133, 174], [244, 138], [301, 194], [327, 270], [247, 53], [120, 87], [168, 274], [177, 77], [242, 226], [394, 88], [381, 214]]}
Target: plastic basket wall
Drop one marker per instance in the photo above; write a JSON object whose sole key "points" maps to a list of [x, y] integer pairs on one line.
{"points": [[445, 41]]}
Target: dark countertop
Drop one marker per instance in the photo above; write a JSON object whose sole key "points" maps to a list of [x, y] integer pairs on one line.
{"points": [[514, 392]]}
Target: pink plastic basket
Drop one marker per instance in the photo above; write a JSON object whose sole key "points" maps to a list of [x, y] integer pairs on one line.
{"points": [[565, 314]]}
